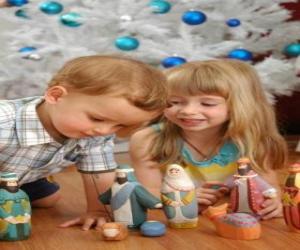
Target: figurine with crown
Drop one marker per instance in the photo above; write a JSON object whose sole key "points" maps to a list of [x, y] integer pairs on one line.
{"points": [[291, 198], [248, 189], [15, 209]]}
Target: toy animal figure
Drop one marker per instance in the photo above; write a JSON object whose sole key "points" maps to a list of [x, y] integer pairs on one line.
{"points": [[237, 226], [114, 231], [291, 198], [179, 198], [129, 200], [248, 189], [15, 210]]}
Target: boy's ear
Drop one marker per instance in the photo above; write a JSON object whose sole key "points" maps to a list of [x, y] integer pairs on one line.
{"points": [[54, 93]]}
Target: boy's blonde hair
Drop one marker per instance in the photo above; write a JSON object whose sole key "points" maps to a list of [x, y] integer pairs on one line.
{"points": [[141, 84], [251, 125]]}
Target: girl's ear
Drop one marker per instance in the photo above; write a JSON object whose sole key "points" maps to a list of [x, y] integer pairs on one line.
{"points": [[54, 93]]}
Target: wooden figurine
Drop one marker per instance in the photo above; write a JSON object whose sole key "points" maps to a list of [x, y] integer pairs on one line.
{"points": [[128, 199], [291, 198], [237, 226], [114, 231], [15, 210], [179, 198], [248, 189]]}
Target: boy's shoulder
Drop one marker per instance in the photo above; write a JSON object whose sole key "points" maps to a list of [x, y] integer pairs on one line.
{"points": [[9, 109], [7, 113]]}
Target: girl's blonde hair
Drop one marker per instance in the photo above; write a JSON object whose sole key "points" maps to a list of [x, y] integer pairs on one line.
{"points": [[251, 125], [142, 84]]}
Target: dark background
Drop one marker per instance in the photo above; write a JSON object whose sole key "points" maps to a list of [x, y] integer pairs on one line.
{"points": [[288, 107]]}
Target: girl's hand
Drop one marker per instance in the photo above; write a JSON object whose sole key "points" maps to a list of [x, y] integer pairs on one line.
{"points": [[271, 208], [210, 193], [91, 219]]}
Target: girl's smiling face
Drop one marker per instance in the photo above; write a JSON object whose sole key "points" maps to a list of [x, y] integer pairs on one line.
{"points": [[197, 113]]}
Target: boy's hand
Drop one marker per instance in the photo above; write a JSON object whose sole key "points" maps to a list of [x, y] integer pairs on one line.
{"points": [[91, 219], [271, 208]]}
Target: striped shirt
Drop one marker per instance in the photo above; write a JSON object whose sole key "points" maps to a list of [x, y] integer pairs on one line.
{"points": [[28, 150]]}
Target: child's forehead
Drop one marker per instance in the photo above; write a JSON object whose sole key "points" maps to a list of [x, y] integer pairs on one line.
{"points": [[199, 95]]}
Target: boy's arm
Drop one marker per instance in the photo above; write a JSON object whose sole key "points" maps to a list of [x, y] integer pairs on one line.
{"points": [[96, 214]]}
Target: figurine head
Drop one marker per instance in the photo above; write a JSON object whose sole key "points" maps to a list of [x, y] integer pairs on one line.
{"points": [[9, 181], [126, 173], [243, 166], [176, 178], [294, 168], [293, 179]]}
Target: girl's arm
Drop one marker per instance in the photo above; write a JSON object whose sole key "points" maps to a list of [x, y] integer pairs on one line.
{"points": [[146, 170], [271, 207]]}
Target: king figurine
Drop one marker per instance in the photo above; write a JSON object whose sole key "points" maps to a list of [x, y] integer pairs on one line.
{"points": [[248, 189], [15, 210]]}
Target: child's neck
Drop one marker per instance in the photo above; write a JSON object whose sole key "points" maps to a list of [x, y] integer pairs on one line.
{"points": [[204, 145], [45, 119]]}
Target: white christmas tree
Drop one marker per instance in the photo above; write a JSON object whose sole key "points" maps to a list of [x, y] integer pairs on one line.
{"points": [[46, 34]]}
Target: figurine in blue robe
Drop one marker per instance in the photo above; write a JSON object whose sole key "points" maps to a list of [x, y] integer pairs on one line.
{"points": [[15, 210], [128, 199], [178, 196]]}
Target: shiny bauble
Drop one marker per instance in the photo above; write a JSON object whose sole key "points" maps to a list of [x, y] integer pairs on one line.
{"points": [[126, 18], [127, 43], [51, 7], [22, 13], [193, 17], [160, 6], [17, 2], [71, 19], [173, 61], [233, 22], [30, 53], [27, 49], [292, 50], [240, 54]]}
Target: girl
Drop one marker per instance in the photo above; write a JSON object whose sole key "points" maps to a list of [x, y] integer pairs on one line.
{"points": [[217, 113]]}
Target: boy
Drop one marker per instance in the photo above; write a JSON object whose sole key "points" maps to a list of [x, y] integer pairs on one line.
{"points": [[87, 101]]}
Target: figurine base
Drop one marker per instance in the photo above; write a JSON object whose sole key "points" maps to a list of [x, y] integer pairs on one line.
{"points": [[188, 224], [235, 233]]}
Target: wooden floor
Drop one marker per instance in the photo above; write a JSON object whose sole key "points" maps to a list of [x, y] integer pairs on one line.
{"points": [[46, 235]]}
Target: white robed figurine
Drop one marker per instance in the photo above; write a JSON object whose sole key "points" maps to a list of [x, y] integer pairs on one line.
{"points": [[179, 198]]}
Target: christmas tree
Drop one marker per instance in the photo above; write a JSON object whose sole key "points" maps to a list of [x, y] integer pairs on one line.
{"points": [[43, 35]]}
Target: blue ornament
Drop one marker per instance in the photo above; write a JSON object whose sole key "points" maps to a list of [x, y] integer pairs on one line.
{"points": [[173, 61], [22, 13], [127, 43], [193, 17], [240, 54], [51, 7], [29, 52], [27, 49], [233, 22], [71, 19], [17, 2], [292, 50], [153, 228], [160, 6]]}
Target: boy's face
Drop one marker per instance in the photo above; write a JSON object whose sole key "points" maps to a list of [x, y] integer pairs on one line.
{"points": [[77, 115]]}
